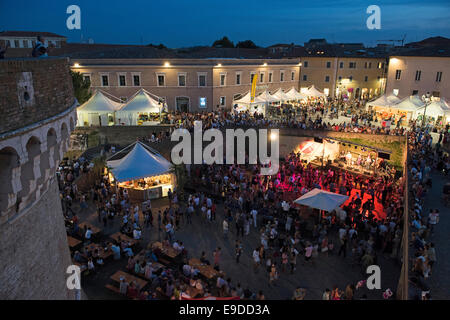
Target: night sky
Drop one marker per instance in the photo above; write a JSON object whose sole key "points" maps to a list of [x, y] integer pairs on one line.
{"points": [[179, 23]]}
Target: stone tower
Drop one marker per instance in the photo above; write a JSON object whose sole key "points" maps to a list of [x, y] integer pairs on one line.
{"points": [[37, 114]]}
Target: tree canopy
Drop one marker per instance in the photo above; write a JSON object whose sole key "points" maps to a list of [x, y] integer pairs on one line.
{"points": [[249, 44], [81, 87], [223, 43]]}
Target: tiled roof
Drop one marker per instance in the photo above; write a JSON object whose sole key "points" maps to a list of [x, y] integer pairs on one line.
{"points": [[29, 34]]}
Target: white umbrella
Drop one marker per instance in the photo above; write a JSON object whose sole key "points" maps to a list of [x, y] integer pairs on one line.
{"points": [[322, 200]]}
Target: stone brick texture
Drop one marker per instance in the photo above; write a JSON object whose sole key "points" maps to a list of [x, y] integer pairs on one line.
{"points": [[53, 91], [34, 255]]}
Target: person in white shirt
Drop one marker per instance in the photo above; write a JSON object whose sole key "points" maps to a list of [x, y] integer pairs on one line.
{"points": [[254, 214], [256, 259], [225, 227], [137, 234]]}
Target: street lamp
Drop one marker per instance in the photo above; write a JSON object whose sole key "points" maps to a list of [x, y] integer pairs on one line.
{"points": [[426, 99]]}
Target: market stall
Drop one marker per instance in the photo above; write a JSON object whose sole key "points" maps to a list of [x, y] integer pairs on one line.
{"points": [[99, 110], [245, 104], [406, 109], [383, 107], [313, 92], [437, 113], [144, 172], [293, 94], [281, 95], [142, 109]]}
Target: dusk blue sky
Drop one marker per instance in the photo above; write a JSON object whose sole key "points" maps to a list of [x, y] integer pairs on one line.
{"points": [[178, 23]]}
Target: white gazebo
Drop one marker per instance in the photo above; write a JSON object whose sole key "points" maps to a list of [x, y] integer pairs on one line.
{"points": [[142, 171], [409, 105], [314, 92], [293, 94], [99, 110], [435, 110], [267, 97], [384, 101], [322, 200], [281, 96], [141, 109], [245, 104]]}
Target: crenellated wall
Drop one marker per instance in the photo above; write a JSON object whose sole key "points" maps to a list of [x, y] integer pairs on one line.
{"points": [[38, 113]]}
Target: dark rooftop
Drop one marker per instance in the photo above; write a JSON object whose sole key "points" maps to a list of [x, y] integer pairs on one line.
{"points": [[29, 34]]}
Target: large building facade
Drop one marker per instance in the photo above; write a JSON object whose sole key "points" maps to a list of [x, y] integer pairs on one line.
{"points": [[354, 77], [193, 85], [419, 75]]}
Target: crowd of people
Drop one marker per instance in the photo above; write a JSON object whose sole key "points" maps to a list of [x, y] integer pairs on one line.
{"points": [[368, 225], [424, 160]]}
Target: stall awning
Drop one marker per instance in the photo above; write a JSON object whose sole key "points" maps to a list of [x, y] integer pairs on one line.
{"points": [[99, 103], [140, 162], [436, 109], [411, 103], [313, 92], [322, 200], [295, 95], [142, 102], [385, 101], [267, 97], [246, 99], [281, 96]]}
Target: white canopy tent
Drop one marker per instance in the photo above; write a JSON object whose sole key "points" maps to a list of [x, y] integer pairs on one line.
{"points": [[281, 96], [385, 101], [245, 104], [314, 92], [142, 103], [408, 106], [267, 97], [98, 110], [295, 95], [436, 109], [141, 162], [322, 200]]}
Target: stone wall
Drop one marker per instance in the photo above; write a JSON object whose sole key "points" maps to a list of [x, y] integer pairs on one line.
{"points": [[34, 254], [38, 113], [33, 90]]}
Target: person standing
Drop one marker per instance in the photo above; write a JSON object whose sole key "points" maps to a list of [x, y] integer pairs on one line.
{"points": [[238, 250], [256, 259], [225, 228]]}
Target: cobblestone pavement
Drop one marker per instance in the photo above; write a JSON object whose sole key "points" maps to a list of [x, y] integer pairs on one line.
{"points": [[326, 272]]}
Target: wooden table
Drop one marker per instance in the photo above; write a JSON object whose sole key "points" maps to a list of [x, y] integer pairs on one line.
{"points": [[73, 242], [168, 251], [207, 271], [94, 229], [129, 278], [123, 237], [102, 253]]}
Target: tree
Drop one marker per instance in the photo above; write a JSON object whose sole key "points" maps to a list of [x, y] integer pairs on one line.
{"points": [[159, 46], [81, 87], [223, 43], [248, 44]]}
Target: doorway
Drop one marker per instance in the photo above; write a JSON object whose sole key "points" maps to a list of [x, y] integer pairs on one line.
{"points": [[182, 104]]}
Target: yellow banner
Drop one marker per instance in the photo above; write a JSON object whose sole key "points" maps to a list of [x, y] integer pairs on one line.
{"points": [[253, 92]]}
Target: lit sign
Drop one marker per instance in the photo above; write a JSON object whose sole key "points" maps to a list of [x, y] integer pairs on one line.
{"points": [[202, 102]]}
